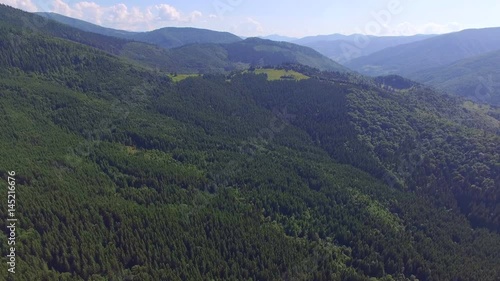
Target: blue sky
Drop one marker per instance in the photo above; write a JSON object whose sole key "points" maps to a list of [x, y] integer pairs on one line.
{"points": [[296, 18]]}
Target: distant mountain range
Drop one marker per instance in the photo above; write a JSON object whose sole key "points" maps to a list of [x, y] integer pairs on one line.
{"points": [[459, 63], [476, 78], [276, 37], [463, 63], [329, 37], [340, 48], [192, 50], [343, 49], [433, 52]]}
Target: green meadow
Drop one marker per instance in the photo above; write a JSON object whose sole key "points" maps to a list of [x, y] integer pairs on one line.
{"points": [[279, 74], [180, 77]]}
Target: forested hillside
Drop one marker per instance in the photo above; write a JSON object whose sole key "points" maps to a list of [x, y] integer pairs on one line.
{"points": [[462, 63], [123, 174], [476, 78]]}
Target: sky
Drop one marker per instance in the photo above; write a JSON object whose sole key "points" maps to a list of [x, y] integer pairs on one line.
{"points": [[293, 18]]}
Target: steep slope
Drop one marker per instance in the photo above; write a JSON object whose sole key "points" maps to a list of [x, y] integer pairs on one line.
{"points": [[355, 46], [476, 78], [430, 53]]}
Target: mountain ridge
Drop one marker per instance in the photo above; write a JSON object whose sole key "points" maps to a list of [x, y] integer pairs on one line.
{"points": [[433, 52], [221, 53], [355, 46], [476, 78]]}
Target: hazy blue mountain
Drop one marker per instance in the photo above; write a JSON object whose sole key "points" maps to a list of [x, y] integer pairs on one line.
{"points": [[280, 38], [437, 51], [276, 37], [351, 47], [476, 78], [329, 37]]}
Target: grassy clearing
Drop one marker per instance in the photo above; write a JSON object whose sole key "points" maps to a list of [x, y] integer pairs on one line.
{"points": [[272, 75], [180, 77], [281, 74]]}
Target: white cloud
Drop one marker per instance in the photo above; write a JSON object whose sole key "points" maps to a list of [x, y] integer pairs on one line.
{"points": [[249, 27], [62, 8], [118, 13], [195, 15], [90, 11], [26, 5], [167, 12]]}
